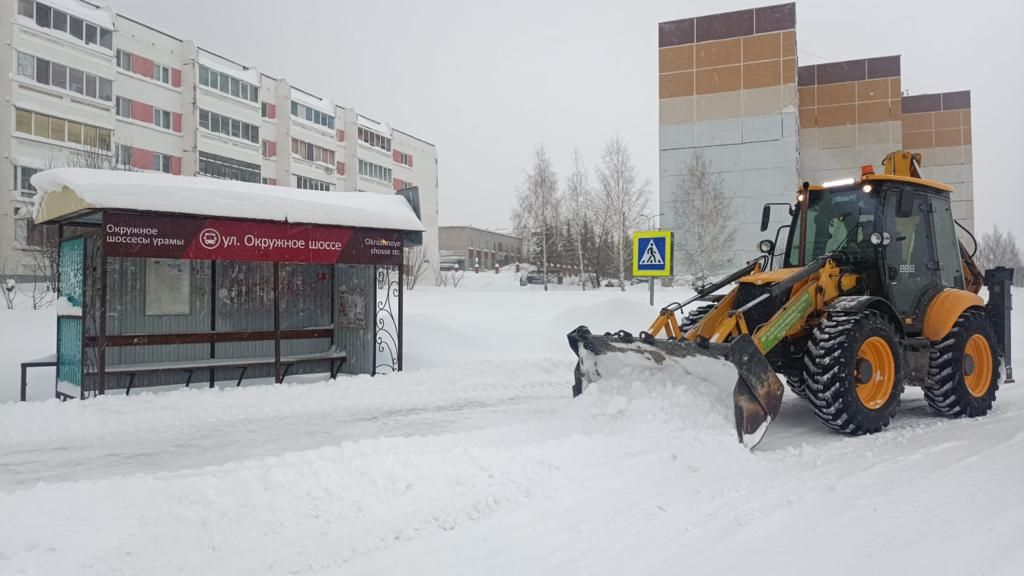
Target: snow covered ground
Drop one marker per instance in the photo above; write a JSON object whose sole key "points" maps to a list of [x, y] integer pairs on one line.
{"points": [[477, 461]]}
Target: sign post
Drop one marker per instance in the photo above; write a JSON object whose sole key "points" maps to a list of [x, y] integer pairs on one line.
{"points": [[652, 256]]}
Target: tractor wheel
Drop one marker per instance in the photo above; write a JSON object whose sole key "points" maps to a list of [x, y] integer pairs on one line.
{"points": [[693, 317], [854, 371], [963, 373], [795, 380]]}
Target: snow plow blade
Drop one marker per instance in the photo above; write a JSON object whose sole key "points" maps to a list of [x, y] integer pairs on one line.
{"points": [[757, 395]]}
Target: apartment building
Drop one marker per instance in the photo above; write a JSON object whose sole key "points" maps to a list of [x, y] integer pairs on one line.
{"points": [[731, 90], [88, 87]]}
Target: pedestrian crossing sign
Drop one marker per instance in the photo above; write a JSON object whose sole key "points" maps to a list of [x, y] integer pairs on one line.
{"points": [[652, 253]]}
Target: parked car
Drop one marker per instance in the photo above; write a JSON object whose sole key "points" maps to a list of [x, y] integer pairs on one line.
{"points": [[535, 277]]}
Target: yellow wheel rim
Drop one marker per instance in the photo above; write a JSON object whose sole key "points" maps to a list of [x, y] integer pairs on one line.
{"points": [[977, 365], [874, 372]]}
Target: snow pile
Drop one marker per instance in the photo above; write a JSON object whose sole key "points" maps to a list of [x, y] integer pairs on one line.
{"points": [[26, 335]]}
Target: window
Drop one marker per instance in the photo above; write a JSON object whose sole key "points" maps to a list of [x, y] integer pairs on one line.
{"points": [[309, 114], [227, 84], [162, 162], [26, 65], [22, 180], [66, 78], [123, 155], [124, 60], [374, 139], [304, 183], [43, 15], [162, 118], [76, 81], [42, 71], [375, 171], [41, 125], [59, 76], [403, 158], [23, 122], [106, 90], [76, 27], [60, 130], [60, 21], [27, 233], [228, 126], [160, 72], [225, 168], [312, 152], [74, 132], [47, 17]]}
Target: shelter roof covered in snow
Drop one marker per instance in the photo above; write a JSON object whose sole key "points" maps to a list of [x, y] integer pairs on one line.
{"points": [[66, 193]]}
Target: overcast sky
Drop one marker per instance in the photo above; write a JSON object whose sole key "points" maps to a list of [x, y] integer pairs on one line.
{"points": [[487, 81]]}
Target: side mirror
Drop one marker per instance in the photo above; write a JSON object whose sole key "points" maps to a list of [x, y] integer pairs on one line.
{"points": [[766, 216], [904, 203]]}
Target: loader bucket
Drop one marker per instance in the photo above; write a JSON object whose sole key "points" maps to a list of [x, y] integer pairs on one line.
{"points": [[757, 395]]}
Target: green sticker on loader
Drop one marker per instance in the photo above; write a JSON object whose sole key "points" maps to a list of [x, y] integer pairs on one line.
{"points": [[792, 314]]}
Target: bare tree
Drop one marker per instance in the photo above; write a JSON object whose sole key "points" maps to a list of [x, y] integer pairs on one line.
{"points": [[1000, 249], [8, 288], [537, 206], [623, 197], [705, 212], [415, 266], [44, 245], [578, 203]]}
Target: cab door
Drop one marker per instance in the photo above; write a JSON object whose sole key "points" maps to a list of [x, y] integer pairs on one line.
{"points": [[911, 265]]}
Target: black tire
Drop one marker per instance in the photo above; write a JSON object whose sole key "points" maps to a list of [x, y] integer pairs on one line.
{"points": [[831, 371], [947, 391], [693, 317], [795, 380]]}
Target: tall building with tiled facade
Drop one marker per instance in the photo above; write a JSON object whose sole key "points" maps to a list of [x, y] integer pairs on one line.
{"points": [[849, 116], [83, 85], [939, 126], [728, 91], [730, 88]]}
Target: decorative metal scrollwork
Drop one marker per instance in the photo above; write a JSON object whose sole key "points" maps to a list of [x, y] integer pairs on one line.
{"points": [[387, 338]]}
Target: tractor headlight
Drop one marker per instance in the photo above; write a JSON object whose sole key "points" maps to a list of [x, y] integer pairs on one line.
{"points": [[765, 246], [876, 238], [886, 238], [867, 188]]}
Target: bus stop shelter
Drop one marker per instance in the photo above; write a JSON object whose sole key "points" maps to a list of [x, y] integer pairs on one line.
{"points": [[169, 280]]}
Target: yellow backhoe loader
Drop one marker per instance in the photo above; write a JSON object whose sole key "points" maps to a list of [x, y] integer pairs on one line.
{"points": [[872, 292]]}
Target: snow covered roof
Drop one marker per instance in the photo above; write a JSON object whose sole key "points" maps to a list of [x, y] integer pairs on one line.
{"points": [[321, 104], [65, 192], [379, 127], [221, 64]]}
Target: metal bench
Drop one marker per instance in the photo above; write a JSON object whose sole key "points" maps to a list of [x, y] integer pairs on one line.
{"points": [[334, 355], [49, 361]]}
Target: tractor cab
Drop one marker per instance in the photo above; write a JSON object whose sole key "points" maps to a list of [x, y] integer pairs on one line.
{"points": [[895, 233]]}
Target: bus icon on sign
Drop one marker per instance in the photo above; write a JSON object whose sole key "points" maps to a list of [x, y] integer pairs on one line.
{"points": [[652, 253], [209, 238]]}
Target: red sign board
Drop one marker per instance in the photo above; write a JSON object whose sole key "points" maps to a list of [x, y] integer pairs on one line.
{"points": [[196, 238]]}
